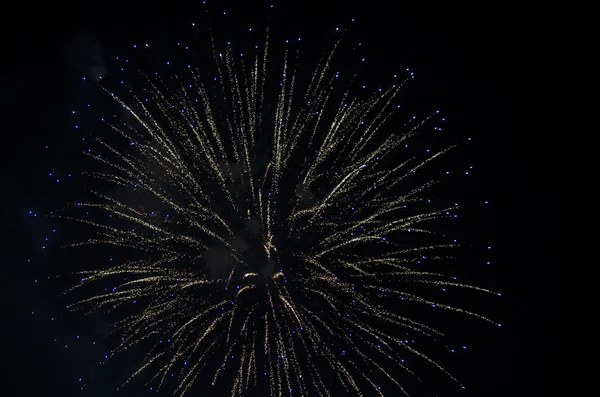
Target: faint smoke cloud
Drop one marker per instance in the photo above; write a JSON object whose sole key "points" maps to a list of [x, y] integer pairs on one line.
{"points": [[86, 56]]}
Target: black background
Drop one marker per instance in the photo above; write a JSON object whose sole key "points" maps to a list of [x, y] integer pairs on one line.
{"points": [[472, 62]]}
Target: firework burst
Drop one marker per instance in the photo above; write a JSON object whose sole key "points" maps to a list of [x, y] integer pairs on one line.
{"points": [[269, 245]]}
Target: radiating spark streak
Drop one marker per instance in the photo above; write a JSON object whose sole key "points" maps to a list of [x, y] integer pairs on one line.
{"points": [[415, 298], [199, 316]]}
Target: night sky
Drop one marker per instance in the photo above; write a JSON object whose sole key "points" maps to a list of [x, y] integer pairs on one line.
{"points": [[464, 61]]}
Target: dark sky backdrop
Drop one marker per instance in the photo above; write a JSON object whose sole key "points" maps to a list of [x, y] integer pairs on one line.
{"points": [[466, 64]]}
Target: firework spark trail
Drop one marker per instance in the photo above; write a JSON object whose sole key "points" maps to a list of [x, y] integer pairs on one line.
{"points": [[182, 144]]}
